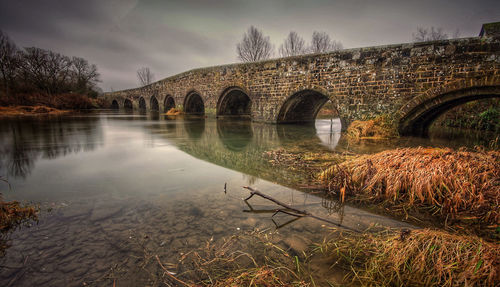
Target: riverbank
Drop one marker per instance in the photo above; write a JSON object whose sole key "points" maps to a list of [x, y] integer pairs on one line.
{"points": [[439, 187], [420, 257], [455, 187], [31, 111], [12, 215], [64, 101], [459, 189]]}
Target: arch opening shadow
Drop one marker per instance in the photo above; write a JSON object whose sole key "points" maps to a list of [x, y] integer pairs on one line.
{"points": [[193, 105], [302, 107], [169, 103], [234, 103], [127, 104], [418, 120], [114, 105], [142, 104], [153, 103]]}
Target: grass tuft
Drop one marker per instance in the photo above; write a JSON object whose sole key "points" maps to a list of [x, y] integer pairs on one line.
{"points": [[464, 185], [422, 257]]}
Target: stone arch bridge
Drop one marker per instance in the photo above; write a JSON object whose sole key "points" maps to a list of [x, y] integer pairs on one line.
{"points": [[414, 82]]}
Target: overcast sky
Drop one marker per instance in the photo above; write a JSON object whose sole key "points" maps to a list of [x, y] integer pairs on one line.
{"points": [[170, 37]]}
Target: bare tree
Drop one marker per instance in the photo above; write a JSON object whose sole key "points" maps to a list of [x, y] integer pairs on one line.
{"points": [[46, 70], [432, 34], [254, 46], [145, 76], [321, 43], [9, 62], [84, 76], [294, 45]]}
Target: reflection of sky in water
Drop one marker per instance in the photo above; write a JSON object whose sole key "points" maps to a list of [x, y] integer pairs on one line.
{"points": [[328, 132]]}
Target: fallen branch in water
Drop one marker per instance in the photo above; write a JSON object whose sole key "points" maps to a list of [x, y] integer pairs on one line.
{"points": [[291, 210]]}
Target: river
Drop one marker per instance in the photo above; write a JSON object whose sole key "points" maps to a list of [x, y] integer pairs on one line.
{"points": [[112, 184]]}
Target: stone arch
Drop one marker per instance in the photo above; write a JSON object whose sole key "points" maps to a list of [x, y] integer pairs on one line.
{"points": [[302, 107], [418, 120], [234, 101], [127, 104], [169, 103], [153, 104], [115, 105], [193, 104], [142, 103], [416, 117]]}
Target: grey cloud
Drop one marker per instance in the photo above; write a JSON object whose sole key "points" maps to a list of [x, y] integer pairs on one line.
{"points": [[174, 36]]}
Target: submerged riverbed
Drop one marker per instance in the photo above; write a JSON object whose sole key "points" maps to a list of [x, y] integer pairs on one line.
{"points": [[112, 185]]}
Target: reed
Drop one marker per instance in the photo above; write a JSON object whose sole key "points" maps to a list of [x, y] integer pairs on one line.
{"points": [[422, 257], [460, 184]]}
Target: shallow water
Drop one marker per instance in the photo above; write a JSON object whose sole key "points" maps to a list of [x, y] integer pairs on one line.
{"points": [[112, 184]]}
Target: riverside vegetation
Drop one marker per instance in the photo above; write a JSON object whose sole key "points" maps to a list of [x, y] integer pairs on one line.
{"points": [[458, 190], [46, 80]]}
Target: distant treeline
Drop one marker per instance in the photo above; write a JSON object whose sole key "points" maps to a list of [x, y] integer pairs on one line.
{"points": [[33, 73]]}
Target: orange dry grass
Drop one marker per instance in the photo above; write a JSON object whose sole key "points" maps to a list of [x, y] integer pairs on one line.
{"points": [[463, 184], [29, 111], [378, 128], [419, 258], [263, 276], [174, 112], [13, 214]]}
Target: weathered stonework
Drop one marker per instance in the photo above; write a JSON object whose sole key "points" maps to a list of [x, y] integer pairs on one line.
{"points": [[415, 82]]}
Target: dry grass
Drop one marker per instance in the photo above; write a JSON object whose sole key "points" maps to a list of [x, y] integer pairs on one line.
{"points": [[12, 215], [462, 184], [249, 259], [68, 101], [30, 111], [174, 112], [379, 128], [418, 258]]}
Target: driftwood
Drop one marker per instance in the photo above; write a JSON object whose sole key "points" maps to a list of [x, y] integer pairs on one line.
{"points": [[291, 210]]}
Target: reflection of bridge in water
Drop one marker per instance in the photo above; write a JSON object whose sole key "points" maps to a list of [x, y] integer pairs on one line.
{"points": [[241, 145]]}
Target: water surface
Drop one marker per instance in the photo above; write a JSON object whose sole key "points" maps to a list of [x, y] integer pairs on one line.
{"points": [[111, 185]]}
